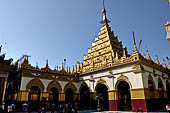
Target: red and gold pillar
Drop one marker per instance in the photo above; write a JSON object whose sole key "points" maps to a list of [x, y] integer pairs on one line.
{"points": [[61, 97], [138, 99], [113, 98]]}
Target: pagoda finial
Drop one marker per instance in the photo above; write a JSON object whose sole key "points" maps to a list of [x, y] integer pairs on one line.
{"points": [[57, 67], [37, 65], [46, 63], [124, 52], [72, 70], [157, 61], [117, 56], [134, 43], [104, 21], [69, 70], [104, 11], [148, 56], [164, 64], [62, 67]]}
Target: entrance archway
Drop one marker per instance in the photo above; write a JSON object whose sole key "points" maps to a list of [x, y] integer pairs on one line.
{"points": [[151, 87], [34, 94], [53, 95], [69, 96], [84, 97], [168, 89], [160, 88], [34, 97], [124, 97], [102, 93]]}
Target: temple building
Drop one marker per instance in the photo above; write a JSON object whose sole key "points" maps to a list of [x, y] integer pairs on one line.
{"points": [[109, 79], [167, 26], [6, 70]]}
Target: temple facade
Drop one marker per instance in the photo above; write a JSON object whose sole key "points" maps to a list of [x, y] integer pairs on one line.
{"points": [[108, 79]]}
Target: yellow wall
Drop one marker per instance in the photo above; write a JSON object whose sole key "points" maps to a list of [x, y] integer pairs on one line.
{"points": [[137, 93], [112, 95], [24, 96], [165, 94], [61, 97], [76, 96], [45, 95], [156, 92]]}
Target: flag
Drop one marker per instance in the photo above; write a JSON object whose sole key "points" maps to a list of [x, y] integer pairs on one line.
{"points": [[0, 48], [140, 44]]}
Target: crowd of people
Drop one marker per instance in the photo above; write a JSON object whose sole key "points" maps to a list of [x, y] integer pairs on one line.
{"points": [[54, 108]]}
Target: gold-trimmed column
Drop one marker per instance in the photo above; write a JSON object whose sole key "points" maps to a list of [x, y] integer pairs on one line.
{"points": [[61, 97], [113, 98], [76, 96], [24, 95], [5, 83], [45, 95], [138, 99]]}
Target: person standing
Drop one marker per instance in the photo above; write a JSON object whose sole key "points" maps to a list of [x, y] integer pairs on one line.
{"points": [[168, 107]]}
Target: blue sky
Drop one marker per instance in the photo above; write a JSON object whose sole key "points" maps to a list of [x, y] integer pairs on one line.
{"points": [[59, 29]]}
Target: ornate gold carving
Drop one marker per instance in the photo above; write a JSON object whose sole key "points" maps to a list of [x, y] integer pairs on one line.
{"points": [[148, 56], [164, 64], [62, 78], [70, 85], [138, 66], [101, 81], [111, 72], [55, 84], [35, 82], [122, 77], [157, 61]]}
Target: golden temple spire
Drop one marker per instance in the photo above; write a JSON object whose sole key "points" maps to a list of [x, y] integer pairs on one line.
{"points": [[57, 68], [148, 56], [37, 65], [135, 48], [46, 63], [69, 70], [124, 52], [26, 62], [164, 64], [72, 70], [104, 21], [157, 61], [117, 56], [62, 67]]}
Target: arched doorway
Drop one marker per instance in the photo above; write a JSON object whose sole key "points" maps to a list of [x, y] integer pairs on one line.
{"points": [[102, 95], [69, 96], [161, 101], [53, 95], [160, 88], [151, 87], [34, 97], [168, 89], [124, 97], [84, 97]]}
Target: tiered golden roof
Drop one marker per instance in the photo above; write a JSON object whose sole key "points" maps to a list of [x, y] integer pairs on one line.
{"points": [[107, 51], [62, 71], [105, 48]]}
